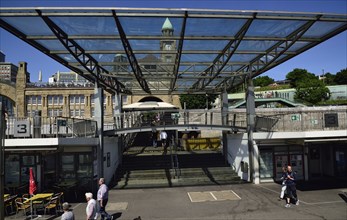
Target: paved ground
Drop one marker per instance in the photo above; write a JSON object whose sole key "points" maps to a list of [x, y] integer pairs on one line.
{"points": [[243, 201]]}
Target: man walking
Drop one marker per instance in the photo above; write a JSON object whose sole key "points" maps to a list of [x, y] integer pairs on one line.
{"points": [[163, 137], [290, 182], [103, 199], [91, 206]]}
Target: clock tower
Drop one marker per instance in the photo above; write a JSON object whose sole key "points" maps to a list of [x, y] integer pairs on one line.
{"points": [[167, 44]]}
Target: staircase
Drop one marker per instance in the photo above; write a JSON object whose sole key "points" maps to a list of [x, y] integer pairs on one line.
{"points": [[147, 170]]}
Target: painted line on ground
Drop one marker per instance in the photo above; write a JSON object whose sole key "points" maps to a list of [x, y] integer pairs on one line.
{"points": [[191, 200], [213, 196], [235, 194]]}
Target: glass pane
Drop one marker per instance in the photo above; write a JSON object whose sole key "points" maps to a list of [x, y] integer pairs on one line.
{"points": [[273, 28], [87, 25], [12, 171], [67, 159], [28, 160], [205, 44], [149, 25], [251, 45], [85, 158], [100, 44], [319, 29], [29, 25], [51, 44], [213, 27]]}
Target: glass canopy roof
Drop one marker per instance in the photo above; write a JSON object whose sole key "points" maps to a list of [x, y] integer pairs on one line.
{"points": [[169, 51]]}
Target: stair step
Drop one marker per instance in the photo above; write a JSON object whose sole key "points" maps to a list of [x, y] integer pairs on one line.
{"points": [[154, 170]]}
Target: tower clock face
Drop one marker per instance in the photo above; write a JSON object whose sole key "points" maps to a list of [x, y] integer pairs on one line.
{"points": [[167, 47]]}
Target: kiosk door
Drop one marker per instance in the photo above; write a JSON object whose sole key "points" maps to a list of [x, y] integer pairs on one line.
{"points": [[296, 161]]}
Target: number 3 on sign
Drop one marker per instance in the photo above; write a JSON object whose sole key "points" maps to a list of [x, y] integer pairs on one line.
{"points": [[22, 128]]}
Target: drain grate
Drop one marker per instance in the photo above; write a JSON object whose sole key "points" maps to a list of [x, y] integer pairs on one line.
{"points": [[213, 196]]}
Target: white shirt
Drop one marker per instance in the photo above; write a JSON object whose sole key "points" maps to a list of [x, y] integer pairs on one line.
{"points": [[163, 135], [91, 209]]}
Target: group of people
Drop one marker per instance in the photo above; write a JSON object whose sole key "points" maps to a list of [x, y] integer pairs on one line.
{"points": [[95, 208], [288, 191]]}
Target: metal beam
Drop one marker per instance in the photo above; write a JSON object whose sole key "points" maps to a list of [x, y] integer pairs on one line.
{"points": [[179, 53], [85, 59], [131, 56], [222, 59], [262, 62], [158, 37], [305, 48], [43, 49], [221, 52]]}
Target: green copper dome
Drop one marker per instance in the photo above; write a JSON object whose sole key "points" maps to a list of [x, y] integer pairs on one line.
{"points": [[167, 25]]}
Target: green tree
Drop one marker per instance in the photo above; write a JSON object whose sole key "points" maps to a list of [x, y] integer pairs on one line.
{"points": [[298, 75], [341, 77], [311, 91], [263, 81], [197, 101], [329, 79]]}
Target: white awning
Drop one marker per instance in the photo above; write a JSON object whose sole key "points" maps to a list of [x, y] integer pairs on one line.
{"points": [[148, 106]]}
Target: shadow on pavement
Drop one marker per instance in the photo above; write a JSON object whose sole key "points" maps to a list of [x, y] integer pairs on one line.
{"points": [[321, 184], [343, 196], [116, 215]]}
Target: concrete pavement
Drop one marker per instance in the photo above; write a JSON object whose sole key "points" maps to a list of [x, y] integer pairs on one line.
{"points": [[240, 201]]}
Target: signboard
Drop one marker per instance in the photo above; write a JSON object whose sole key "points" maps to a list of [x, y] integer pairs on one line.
{"points": [[21, 128], [296, 117], [331, 120]]}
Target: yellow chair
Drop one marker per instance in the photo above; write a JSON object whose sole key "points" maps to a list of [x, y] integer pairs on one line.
{"points": [[60, 196], [25, 196], [20, 205], [52, 204], [8, 203]]}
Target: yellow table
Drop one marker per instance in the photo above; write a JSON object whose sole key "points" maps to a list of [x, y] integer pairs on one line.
{"points": [[38, 200], [39, 197]]}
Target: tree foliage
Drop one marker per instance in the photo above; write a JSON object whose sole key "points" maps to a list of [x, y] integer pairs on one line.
{"points": [[197, 101], [299, 75], [341, 77], [329, 79], [311, 91], [263, 81]]}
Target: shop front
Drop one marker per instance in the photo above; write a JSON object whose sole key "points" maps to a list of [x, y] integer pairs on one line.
{"points": [[273, 158]]}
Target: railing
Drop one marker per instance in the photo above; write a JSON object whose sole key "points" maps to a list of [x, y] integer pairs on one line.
{"points": [[276, 120], [296, 119], [49, 127]]}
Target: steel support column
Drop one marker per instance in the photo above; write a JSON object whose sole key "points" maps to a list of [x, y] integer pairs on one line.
{"points": [[252, 147], [99, 116]]}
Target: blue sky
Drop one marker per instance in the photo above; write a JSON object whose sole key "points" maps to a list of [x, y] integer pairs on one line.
{"points": [[329, 56]]}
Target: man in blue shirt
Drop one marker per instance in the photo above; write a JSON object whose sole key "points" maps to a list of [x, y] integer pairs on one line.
{"points": [[291, 189], [103, 199]]}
